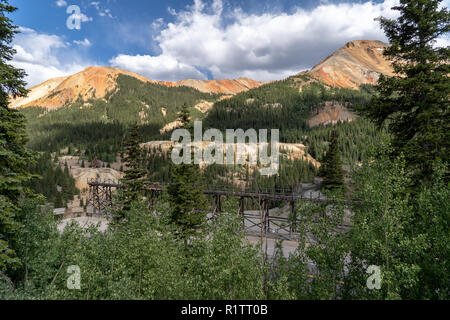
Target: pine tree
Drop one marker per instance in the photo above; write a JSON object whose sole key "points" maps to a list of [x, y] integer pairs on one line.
{"points": [[187, 200], [185, 116], [134, 180], [59, 203], [415, 102], [14, 157], [331, 169]]}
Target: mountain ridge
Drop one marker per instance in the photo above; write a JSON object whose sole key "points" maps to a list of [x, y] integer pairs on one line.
{"points": [[357, 62], [96, 82]]}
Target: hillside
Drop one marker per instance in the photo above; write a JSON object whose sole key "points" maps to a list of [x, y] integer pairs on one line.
{"points": [[89, 112], [331, 112], [87, 116], [356, 63], [292, 150], [99, 125], [97, 82], [220, 86], [300, 107]]}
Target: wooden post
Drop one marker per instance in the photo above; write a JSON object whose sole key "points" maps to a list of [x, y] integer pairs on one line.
{"points": [[262, 222], [219, 204], [241, 209], [292, 224]]}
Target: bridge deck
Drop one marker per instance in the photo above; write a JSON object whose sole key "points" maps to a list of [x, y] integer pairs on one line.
{"points": [[278, 194], [261, 223]]}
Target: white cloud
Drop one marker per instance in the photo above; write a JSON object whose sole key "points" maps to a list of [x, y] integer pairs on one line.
{"points": [[101, 12], [45, 56], [208, 36], [171, 11], [266, 47], [96, 4], [38, 73], [61, 3], [160, 67], [83, 43], [82, 17], [156, 25], [443, 42]]}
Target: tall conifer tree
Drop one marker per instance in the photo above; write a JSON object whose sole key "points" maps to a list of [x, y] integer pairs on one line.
{"points": [[185, 117], [332, 167], [186, 192], [415, 101], [14, 157], [134, 180]]}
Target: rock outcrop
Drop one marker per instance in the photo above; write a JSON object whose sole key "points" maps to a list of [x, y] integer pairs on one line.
{"points": [[223, 86], [82, 175], [331, 112], [290, 150]]}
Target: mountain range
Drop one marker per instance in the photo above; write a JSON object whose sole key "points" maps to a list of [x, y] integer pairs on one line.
{"points": [[357, 62], [87, 115]]}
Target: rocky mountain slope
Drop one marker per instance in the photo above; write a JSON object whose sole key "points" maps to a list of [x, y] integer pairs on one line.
{"points": [[289, 150], [96, 82], [82, 175], [358, 62], [223, 86], [331, 112]]}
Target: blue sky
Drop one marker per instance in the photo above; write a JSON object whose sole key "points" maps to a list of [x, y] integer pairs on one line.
{"points": [[202, 39]]}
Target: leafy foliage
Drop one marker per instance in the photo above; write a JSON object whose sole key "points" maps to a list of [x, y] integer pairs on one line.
{"points": [[381, 234], [403, 232], [139, 259]]}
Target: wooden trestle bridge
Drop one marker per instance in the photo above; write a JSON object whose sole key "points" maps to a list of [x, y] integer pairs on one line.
{"points": [[256, 222]]}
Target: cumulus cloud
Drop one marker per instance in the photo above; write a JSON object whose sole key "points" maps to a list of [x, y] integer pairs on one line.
{"points": [[82, 17], [83, 43], [61, 3], [208, 38], [268, 46], [45, 56], [96, 4], [160, 67], [156, 25]]}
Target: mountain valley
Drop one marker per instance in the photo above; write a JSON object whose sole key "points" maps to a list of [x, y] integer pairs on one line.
{"points": [[87, 115]]}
